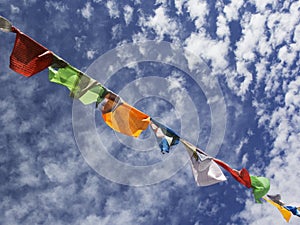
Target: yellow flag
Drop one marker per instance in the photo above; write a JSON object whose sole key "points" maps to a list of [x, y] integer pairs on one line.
{"points": [[284, 212]]}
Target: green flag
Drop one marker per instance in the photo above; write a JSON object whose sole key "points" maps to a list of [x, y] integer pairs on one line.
{"points": [[260, 186], [81, 87]]}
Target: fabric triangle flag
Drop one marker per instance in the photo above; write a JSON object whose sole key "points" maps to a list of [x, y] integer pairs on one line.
{"points": [[260, 186], [284, 212], [28, 56], [5, 25], [293, 209], [122, 117], [165, 137], [81, 87], [241, 176], [206, 172]]}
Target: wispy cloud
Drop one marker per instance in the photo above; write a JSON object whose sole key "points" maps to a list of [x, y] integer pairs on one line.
{"points": [[113, 10], [87, 11], [128, 12]]}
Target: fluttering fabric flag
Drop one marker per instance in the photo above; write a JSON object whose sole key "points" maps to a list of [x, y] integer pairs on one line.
{"points": [[260, 187], [206, 172], [165, 137], [123, 117], [293, 209], [81, 87], [276, 198], [241, 176], [284, 212], [5, 25], [28, 56]]}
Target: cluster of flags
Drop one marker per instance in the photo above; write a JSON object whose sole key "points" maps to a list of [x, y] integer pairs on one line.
{"points": [[28, 58], [286, 210]]}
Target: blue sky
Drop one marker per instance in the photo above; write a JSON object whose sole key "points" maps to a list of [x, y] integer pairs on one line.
{"points": [[252, 49]]}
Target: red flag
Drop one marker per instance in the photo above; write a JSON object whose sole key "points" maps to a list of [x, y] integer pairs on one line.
{"points": [[241, 176], [28, 56]]}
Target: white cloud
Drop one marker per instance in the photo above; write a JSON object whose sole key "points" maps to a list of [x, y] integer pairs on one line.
{"points": [[128, 11], [223, 30], [198, 11], [245, 159], [93, 219], [113, 10], [55, 173], [14, 9], [161, 23], [116, 31], [59, 6], [179, 4], [261, 69], [241, 145], [28, 175], [209, 49], [79, 41], [296, 37], [261, 6], [91, 53], [282, 24], [139, 37], [253, 31], [87, 11], [247, 78], [232, 10], [287, 55]]}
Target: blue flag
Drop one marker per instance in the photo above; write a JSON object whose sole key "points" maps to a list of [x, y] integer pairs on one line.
{"points": [[164, 135]]}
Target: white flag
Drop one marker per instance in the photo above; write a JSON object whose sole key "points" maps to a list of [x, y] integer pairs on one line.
{"points": [[206, 171]]}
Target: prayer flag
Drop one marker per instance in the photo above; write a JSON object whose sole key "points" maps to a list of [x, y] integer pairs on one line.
{"points": [[284, 212], [276, 199], [5, 25], [81, 87], [260, 186], [293, 209], [123, 117], [164, 136], [206, 172], [28, 56], [241, 176]]}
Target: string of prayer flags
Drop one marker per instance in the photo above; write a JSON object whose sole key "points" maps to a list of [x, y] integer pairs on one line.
{"points": [[284, 212], [206, 172], [122, 117], [165, 137], [28, 56], [5, 25], [260, 187], [241, 176], [81, 87]]}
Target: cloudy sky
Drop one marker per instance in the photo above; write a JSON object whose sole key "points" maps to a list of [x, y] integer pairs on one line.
{"points": [[52, 165]]}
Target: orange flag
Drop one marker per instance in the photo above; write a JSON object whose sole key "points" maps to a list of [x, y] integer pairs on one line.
{"points": [[28, 56], [123, 117]]}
